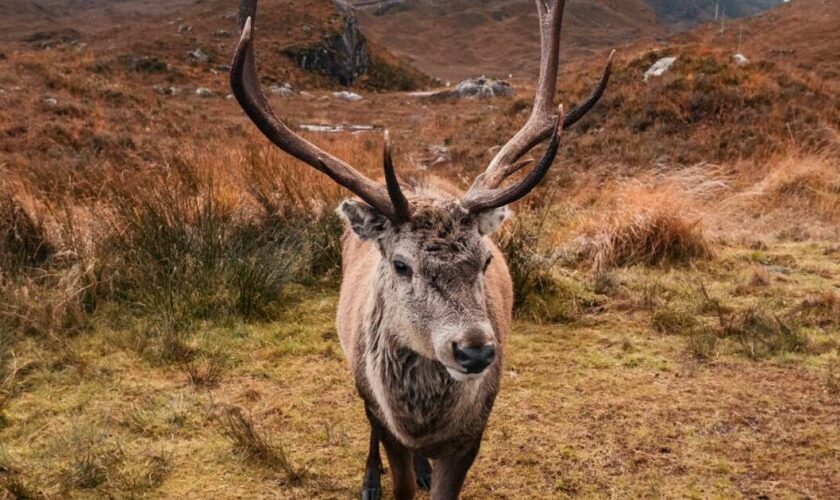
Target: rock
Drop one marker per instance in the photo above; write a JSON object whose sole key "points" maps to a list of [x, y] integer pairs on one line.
{"points": [[660, 67], [50, 39], [184, 28], [343, 7], [435, 154], [347, 96], [162, 90], [204, 92], [476, 88], [51, 102], [344, 55], [740, 59], [284, 90], [197, 56], [145, 64], [391, 6]]}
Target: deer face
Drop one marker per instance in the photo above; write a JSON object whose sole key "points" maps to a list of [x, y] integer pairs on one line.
{"points": [[432, 276]]}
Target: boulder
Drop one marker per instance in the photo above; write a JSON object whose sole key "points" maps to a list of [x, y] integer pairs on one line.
{"points": [[197, 55], [660, 67], [347, 96], [284, 90], [204, 92], [476, 88], [740, 59]]}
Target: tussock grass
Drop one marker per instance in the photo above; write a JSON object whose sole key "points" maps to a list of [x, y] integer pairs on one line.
{"points": [[821, 310], [674, 320], [254, 445], [809, 183], [649, 226], [23, 238]]}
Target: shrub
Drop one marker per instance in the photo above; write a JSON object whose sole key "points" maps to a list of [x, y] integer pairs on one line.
{"points": [[540, 292]]}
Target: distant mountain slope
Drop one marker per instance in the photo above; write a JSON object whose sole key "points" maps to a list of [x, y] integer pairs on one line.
{"points": [[149, 35], [802, 34], [22, 18], [452, 39], [680, 14]]}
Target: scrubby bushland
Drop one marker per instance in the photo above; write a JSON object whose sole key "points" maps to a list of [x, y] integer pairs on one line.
{"points": [[174, 247]]}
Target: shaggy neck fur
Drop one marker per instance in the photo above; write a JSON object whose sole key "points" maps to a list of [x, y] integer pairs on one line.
{"points": [[417, 399]]}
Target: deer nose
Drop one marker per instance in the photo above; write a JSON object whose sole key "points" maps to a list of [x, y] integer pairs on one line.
{"points": [[474, 359]]}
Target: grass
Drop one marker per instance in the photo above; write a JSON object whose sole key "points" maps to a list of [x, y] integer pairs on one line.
{"points": [[168, 286], [254, 445]]}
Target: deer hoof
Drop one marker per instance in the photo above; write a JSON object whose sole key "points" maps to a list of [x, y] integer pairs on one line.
{"points": [[371, 493], [423, 472]]}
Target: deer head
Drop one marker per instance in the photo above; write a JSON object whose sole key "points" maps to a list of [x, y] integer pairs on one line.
{"points": [[435, 252]]}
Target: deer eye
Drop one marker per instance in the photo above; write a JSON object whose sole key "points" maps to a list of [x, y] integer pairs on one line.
{"points": [[401, 268]]}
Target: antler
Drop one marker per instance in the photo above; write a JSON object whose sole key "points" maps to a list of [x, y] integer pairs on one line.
{"points": [[484, 192], [390, 201]]}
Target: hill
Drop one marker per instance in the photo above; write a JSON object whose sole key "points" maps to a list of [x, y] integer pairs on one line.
{"points": [[802, 35], [453, 40], [684, 14], [461, 38]]}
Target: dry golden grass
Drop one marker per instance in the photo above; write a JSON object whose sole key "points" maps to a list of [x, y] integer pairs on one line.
{"points": [[804, 185], [169, 266], [645, 225]]}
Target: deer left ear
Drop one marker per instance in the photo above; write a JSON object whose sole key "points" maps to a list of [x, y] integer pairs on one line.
{"points": [[490, 221], [364, 220]]}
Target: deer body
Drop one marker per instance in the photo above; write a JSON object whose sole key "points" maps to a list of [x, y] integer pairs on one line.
{"points": [[421, 404], [426, 295]]}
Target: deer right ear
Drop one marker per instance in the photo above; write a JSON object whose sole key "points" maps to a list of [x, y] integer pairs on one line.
{"points": [[365, 221]]}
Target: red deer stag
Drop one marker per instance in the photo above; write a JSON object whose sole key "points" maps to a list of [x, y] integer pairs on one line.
{"points": [[426, 295]]}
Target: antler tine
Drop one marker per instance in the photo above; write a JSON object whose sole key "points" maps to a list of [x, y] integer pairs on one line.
{"points": [[246, 87], [479, 200], [541, 122], [402, 209]]}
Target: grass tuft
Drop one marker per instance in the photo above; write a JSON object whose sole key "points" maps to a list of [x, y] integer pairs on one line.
{"points": [[207, 371], [652, 227], [255, 445], [761, 334]]}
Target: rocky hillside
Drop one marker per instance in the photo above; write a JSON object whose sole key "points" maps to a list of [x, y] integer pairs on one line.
{"points": [[453, 39], [306, 42]]}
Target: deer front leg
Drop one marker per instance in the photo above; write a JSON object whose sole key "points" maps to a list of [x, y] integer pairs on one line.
{"points": [[401, 460], [449, 472], [371, 486]]}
